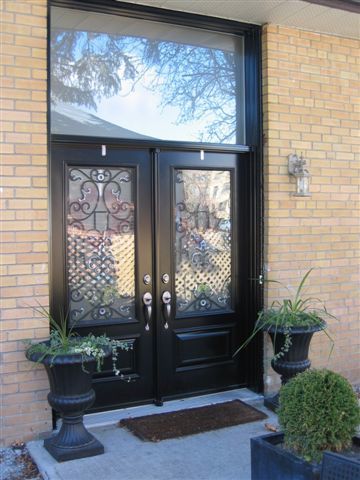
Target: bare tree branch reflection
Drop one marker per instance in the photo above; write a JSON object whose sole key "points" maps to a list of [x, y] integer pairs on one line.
{"points": [[87, 67]]}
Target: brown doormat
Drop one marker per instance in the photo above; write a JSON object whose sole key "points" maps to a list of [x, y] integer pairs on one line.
{"points": [[155, 428]]}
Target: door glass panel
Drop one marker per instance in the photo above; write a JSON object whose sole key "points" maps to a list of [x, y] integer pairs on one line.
{"points": [[202, 240], [100, 244], [121, 77]]}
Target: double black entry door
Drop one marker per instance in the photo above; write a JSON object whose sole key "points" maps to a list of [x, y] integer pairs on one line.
{"points": [[152, 246]]}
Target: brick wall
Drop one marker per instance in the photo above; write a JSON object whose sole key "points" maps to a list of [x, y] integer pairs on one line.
{"points": [[311, 106], [24, 215]]}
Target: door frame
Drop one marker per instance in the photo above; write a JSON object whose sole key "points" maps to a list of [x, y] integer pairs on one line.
{"points": [[253, 354], [253, 135]]}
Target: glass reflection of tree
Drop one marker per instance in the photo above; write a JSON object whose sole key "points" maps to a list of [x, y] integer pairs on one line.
{"points": [[87, 66]]}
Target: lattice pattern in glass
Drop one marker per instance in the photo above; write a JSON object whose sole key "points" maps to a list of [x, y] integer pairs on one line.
{"points": [[100, 244], [202, 240]]}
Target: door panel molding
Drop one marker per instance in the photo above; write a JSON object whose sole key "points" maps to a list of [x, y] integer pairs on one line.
{"points": [[191, 352]]}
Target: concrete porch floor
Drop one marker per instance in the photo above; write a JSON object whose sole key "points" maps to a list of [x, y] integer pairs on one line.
{"points": [[217, 455]]}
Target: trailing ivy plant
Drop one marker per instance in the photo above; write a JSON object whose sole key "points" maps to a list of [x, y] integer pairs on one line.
{"points": [[290, 313], [318, 411], [64, 341]]}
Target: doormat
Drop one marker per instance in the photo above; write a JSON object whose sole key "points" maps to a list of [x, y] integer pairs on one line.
{"points": [[154, 428]]}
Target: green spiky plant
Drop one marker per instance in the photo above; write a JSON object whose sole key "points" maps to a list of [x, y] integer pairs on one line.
{"points": [[291, 313], [64, 341], [318, 411]]}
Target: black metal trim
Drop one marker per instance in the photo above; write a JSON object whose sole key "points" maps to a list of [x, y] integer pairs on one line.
{"points": [[156, 271], [256, 369], [253, 113], [256, 195], [150, 144], [54, 414]]}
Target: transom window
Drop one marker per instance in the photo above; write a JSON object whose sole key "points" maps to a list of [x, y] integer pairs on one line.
{"points": [[121, 77]]}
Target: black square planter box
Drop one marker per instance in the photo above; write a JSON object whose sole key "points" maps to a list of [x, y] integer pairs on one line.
{"points": [[270, 461], [336, 466]]}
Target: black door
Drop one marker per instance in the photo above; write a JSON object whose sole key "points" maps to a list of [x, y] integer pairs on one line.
{"points": [[199, 249], [101, 249], [152, 247]]}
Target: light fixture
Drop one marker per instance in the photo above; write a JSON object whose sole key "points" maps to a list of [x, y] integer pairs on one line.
{"points": [[297, 169]]}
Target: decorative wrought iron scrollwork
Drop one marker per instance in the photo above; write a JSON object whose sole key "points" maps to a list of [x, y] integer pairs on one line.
{"points": [[100, 244], [202, 240]]}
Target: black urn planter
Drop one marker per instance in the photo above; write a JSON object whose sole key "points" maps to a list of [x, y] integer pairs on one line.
{"points": [[269, 460], [70, 394], [293, 361]]}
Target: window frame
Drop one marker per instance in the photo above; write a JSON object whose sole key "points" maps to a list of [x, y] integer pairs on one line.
{"points": [[252, 53]]}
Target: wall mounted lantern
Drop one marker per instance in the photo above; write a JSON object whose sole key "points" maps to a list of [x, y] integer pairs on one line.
{"points": [[302, 175]]}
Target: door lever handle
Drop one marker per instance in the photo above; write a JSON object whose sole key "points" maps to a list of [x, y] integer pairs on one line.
{"points": [[147, 301], [166, 299]]}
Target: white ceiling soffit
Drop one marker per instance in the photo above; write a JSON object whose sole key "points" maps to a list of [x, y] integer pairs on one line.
{"points": [[64, 18], [293, 13]]}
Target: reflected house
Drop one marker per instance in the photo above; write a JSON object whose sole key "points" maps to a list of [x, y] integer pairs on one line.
{"points": [[67, 119]]}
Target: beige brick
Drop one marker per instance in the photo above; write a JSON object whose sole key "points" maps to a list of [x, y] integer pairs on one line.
{"points": [[14, 225], [29, 20], [19, 6], [19, 204], [38, 32], [7, 38], [31, 236], [30, 127], [39, 10], [310, 233], [39, 95], [19, 269], [30, 106], [16, 247], [24, 104], [16, 181], [18, 72], [12, 93]]}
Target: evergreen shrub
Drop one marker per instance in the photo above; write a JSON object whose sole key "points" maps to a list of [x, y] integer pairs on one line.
{"points": [[318, 411]]}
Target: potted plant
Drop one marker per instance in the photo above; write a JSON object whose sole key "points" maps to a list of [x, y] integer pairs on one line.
{"points": [[318, 411], [70, 361], [291, 324]]}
